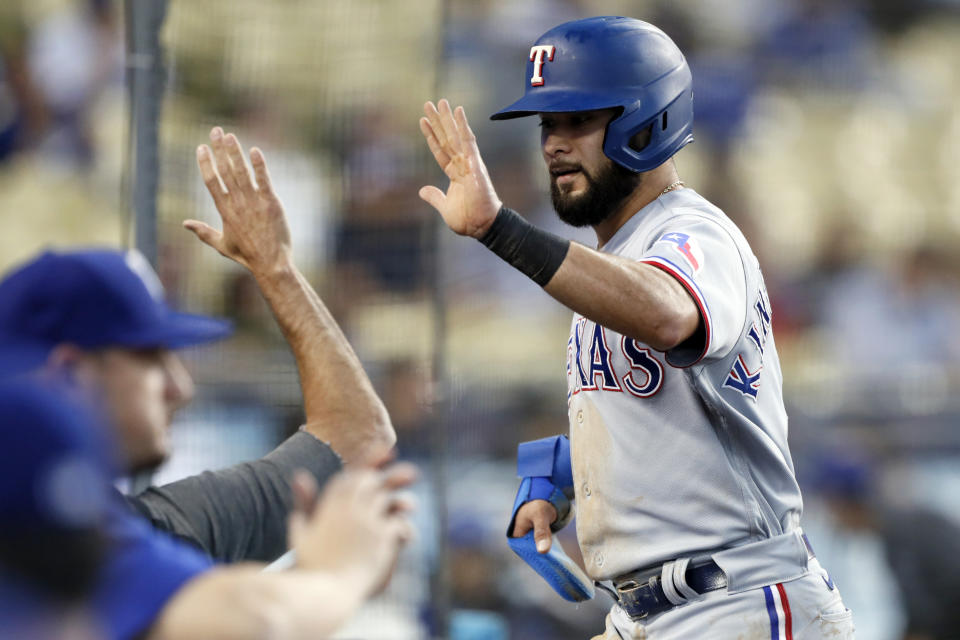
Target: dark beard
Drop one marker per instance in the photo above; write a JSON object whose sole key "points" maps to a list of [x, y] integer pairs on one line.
{"points": [[605, 193]]}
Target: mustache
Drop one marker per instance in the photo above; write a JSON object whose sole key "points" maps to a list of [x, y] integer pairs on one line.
{"points": [[560, 167]]}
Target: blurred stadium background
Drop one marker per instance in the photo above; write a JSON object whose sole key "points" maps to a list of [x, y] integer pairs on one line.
{"points": [[828, 130]]}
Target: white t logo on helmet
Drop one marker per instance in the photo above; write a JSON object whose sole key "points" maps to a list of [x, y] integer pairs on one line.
{"points": [[536, 56]]}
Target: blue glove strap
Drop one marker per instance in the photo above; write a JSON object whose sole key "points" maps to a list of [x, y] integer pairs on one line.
{"points": [[540, 489], [546, 472], [547, 458]]}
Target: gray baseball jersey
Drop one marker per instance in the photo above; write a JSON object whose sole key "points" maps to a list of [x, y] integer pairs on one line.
{"points": [[679, 453]]}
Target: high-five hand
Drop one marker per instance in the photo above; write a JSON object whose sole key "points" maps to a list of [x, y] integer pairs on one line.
{"points": [[470, 204], [358, 526], [255, 232]]}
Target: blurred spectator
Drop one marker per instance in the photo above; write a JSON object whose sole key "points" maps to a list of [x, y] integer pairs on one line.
{"points": [[821, 43], [405, 387], [73, 54], [22, 112], [881, 322], [922, 546], [382, 229], [799, 303]]}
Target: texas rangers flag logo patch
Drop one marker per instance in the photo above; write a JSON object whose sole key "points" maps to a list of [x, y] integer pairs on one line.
{"points": [[686, 247]]}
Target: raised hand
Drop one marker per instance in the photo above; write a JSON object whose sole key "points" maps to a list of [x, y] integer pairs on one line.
{"points": [[470, 203], [357, 527], [255, 232]]}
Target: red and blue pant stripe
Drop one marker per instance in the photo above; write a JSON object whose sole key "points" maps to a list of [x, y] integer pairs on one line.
{"points": [[778, 608]]}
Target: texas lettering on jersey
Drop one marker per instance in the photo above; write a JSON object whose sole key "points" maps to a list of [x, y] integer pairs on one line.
{"points": [[592, 365]]}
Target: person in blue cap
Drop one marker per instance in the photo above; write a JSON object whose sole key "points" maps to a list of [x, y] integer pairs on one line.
{"points": [[75, 563], [54, 493], [97, 319]]}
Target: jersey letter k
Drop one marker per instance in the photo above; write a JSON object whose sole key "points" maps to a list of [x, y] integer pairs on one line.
{"points": [[742, 379]]}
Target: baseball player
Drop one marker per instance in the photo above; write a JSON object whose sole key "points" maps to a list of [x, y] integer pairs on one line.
{"points": [[97, 319], [683, 488]]}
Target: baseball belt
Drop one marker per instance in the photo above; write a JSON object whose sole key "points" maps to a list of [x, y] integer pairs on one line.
{"points": [[647, 592], [642, 593]]}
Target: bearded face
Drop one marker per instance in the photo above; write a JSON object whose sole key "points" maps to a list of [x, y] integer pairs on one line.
{"points": [[585, 185], [607, 187]]}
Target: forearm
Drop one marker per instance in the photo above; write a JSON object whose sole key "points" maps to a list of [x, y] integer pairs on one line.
{"points": [[628, 297], [341, 405], [240, 602]]}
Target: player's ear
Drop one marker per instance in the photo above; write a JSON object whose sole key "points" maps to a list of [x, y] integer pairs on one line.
{"points": [[68, 363]]}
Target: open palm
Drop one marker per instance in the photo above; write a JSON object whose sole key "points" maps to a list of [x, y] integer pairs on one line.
{"points": [[470, 203], [255, 231]]}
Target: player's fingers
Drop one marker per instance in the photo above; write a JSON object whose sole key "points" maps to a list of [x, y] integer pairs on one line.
{"points": [[304, 488], [207, 234], [365, 485], [402, 502], [378, 502], [449, 125], [467, 138], [223, 161], [521, 526], [264, 185], [208, 172], [441, 156], [433, 117], [433, 196], [541, 533], [238, 164], [400, 475], [401, 529]]}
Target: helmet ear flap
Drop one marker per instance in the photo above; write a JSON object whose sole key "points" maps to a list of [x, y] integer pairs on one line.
{"points": [[640, 142], [641, 139]]}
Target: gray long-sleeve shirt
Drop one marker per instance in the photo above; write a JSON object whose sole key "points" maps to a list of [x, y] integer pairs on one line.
{"points": [[238, 513]]}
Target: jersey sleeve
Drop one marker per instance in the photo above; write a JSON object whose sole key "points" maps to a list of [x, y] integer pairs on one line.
{"points": [[705, 259], [143, 570], [238, 513]]}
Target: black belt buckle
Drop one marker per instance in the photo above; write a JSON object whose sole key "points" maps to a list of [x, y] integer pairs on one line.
{"points": [[641, 601], [641, 595]]}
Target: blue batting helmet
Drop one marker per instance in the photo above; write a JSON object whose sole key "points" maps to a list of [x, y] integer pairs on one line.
{"points": [[604, 62]]}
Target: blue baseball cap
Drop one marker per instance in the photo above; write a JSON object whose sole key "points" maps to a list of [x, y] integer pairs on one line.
{"points": [[93, 298], [56, 464]]}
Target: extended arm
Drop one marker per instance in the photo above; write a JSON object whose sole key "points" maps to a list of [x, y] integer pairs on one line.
{"points": [[239, 602], [339, 400], [631, 298], [346, 550]]}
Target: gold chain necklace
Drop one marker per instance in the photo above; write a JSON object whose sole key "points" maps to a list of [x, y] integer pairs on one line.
{"points": [[671, 187]]}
